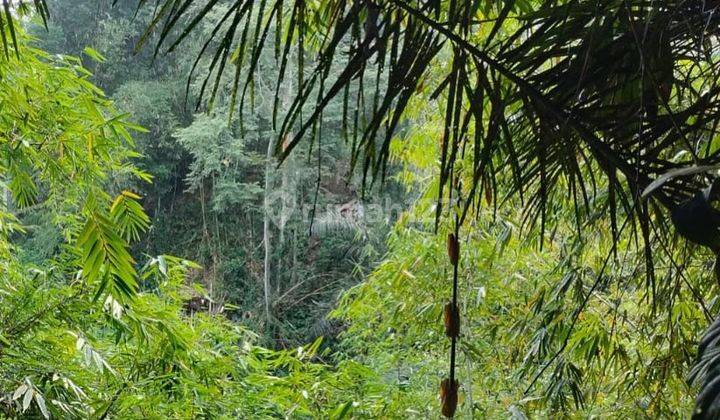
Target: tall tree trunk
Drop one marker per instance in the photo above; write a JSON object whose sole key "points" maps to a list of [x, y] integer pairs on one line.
{"points": [[266, 231], [284, 193], [206, 239], [293, 271], [283, 212], [287, 188]]}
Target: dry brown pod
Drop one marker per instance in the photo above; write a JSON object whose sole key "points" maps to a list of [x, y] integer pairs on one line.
{"points": [[448, 397], [453, 249], [452, 320], [488, 192]]}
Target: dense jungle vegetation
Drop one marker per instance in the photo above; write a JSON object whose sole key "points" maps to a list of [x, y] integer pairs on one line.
{"points": [[337, 209]]}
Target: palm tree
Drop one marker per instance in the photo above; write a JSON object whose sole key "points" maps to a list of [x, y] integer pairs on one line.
{"points": [[593, 99]]}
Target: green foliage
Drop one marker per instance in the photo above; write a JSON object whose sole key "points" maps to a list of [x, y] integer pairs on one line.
{"points": [[84, 331], [59, 163], [206, 199], [570, 329], [220, 157], [129, 216], [589, 323]]}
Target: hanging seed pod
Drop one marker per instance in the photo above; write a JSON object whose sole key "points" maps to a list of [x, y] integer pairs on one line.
{"points": [[452, 320], [448, 397], [488, 191], [453, 249]]}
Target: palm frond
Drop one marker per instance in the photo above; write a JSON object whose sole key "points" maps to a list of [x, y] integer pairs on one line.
{"points": [[572, 85]]}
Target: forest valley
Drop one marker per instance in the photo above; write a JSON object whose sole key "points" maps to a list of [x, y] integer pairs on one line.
{"points": [[359, 209]]}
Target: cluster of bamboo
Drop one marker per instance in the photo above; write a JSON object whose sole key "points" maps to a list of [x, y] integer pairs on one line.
{"points": [[449, 386]]}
